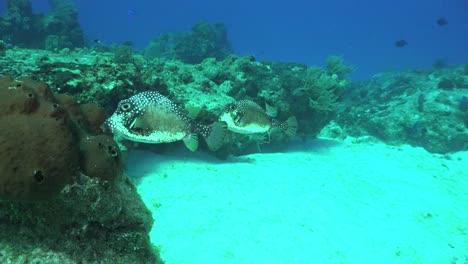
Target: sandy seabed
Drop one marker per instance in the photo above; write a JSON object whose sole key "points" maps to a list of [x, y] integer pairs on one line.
{"points": [[319, 202]]}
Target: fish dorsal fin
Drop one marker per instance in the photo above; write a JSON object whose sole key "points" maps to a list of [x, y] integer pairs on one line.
{"points": [[271, 111], [193, 111]]}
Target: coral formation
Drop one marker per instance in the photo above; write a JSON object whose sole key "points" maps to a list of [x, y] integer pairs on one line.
{"points": [[419, 107], [62, 183], [90, 222], [204, 41], [323, 100], [309, 93], [337, 68], [32, 118], [56, 30], [20, 25], [61, 27], [3, 48], [123, 54]]}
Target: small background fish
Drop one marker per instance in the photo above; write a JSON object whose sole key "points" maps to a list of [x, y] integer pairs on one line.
{"points": [[400, 43], [150, 117], [247, 117]]}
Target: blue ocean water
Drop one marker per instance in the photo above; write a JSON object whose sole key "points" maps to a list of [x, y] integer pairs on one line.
{"points": [[362, 31]]}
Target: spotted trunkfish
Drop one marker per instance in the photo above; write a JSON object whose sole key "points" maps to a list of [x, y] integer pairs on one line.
{"points": [[247, 117], [150, 117]]}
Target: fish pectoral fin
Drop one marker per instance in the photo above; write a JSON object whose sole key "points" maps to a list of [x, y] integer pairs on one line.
{"points": [[290, 126], [132, 124], [191, 142], [139, 123]]}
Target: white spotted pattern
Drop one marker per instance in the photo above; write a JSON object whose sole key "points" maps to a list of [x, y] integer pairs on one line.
{"points": [[129, 110]]}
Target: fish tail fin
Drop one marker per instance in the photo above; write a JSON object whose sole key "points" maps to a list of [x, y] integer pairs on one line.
{"points": [[191, 142], [290, 126], [215, 138]]}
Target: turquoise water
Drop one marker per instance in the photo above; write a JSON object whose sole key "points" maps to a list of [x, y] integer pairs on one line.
{"points": [[319, 202]]}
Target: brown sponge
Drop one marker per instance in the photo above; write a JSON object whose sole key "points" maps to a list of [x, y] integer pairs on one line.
{"points": [[38, 150], [47, 140], [16, 98], [95, 117], [101, 158]]}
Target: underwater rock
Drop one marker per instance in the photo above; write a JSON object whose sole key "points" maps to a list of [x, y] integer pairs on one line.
{"points": [[464, 104], [446, 84], [40, 141], [204, 41], [57, 29], [63, 195], [418, 107], [90, 222], [37, 144], [101, 158], [43, 138]]}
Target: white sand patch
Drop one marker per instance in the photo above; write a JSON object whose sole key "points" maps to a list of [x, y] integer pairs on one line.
{"points": [[321, 203]]}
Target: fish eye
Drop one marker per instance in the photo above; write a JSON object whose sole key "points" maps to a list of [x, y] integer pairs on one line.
{"points": [[125, 106], [231, 107]]}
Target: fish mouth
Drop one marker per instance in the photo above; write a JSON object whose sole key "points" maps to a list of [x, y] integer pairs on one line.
{"points": [[106, 126], [234, 117], [237, 117], [226, 117]]}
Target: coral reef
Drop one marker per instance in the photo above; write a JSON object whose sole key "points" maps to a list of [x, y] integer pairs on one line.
{"points": [[61, 26], [20, 26], [319, 96], [3, 48], [90, 222], [123, 54], [337, 68], [309, 93], [418, 107], [204, 41], [56, 30], [62, 183]]}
